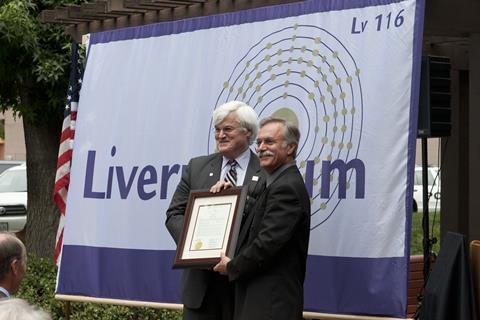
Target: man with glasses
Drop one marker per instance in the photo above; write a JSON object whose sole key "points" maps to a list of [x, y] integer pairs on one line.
{"points": [[268, 269], [13, 264], [207, 294]]}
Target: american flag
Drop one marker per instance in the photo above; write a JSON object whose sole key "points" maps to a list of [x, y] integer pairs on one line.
{"points": [[62, 179]]}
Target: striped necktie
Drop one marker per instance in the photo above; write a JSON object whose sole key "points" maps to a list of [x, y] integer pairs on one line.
{"points": [[231, 175]]}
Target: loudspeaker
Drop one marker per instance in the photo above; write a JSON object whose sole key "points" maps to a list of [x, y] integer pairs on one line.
{"points": [[435, 113]]}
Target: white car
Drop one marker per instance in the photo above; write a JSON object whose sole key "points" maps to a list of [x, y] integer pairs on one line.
{"points": [[434, 191], [13, 199]]}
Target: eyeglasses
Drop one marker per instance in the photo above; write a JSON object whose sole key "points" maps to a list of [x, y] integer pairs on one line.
{"points": [[226, 130]]}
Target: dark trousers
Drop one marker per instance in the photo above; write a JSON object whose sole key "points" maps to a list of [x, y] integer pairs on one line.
{"points": [[217, 303]]}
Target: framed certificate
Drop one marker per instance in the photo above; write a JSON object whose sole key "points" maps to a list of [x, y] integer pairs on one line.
{"points": [[211, 226]]}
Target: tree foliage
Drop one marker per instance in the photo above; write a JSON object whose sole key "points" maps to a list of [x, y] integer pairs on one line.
{"points": [[34, 60]]}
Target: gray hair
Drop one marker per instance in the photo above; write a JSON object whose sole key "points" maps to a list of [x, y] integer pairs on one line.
{"points": [[245, 114], [18, 309], [290, 133], [10, 248]]}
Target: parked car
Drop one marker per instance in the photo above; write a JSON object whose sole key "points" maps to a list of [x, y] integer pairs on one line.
{"points": [[5, 164], [434, 192], [13, 199]]}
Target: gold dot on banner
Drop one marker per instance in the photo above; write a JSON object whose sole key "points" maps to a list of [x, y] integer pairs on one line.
{"points": [[338, 81], [303, 73], [259, 75], [269, 68], [315, 182], [250, 84], [316, 83], [267, 57], [324, 77], [343, 128], [317, 40], [315, 52], [288, 72], [279, 63], [349, 145], [260, 99], [286, 83], [303, 49], [248, 63], [287, 114], [273, 77], [326, 118], [333, 143], [349, 79], [335, 114], [343, 95], [299, 60], [247, 76], [329, 88], [353, 110], [294, 37], [357, 72], [323, 206], [334, 101], [335, 54], [225, 84], [231, 89], [340, 145], [334, 129], [317, 128], [240, 90], [258, 88], [290, 60], [332, 68], [279, 52], [310, 63], [322, 99], [319, 70], [329, 157], [324, 59], [291, 49], [344, 111], [285, 95], [324, 140], [269, 45], [302, 164], [244, 95], [311, 96], [317, 160]]}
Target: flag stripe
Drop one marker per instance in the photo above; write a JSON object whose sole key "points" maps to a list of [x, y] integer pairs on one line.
{"points": [[62, 178]]}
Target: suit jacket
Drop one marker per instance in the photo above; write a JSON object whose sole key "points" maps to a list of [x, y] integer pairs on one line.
{"points": [[202, 173], [269, 268]]}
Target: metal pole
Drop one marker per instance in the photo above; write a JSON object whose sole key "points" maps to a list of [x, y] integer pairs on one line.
{"points": [[425, 222]]}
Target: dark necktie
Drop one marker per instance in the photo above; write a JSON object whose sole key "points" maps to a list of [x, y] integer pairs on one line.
{"points": [[231, 175]]}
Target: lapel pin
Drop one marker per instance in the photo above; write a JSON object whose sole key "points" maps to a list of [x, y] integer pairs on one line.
{"points": [[254, 178], [211, 174]]}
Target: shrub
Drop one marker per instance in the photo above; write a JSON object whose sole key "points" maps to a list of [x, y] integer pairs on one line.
{"points": [[38, 287]]}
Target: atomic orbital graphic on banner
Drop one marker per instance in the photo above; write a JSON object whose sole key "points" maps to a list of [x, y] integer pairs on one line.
{"points": [[304, 74]]}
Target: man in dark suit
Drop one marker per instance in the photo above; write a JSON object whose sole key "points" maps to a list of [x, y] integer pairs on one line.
{"points": [[13, 264], [269, 267], [205, 293]]}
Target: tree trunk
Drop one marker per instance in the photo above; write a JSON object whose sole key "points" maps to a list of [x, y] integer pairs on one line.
{"points": [[41, 140]]}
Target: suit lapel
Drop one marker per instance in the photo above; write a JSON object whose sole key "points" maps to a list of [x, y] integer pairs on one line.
{"points": [[213, 171]]}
